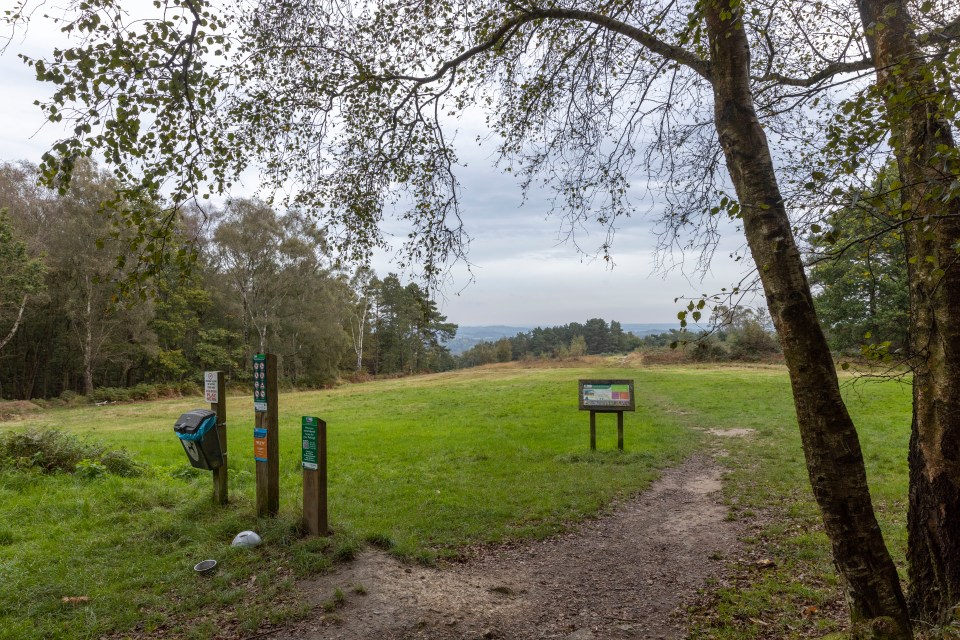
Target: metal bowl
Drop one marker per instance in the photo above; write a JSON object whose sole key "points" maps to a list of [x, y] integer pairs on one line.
{"points": [[205, 567]]}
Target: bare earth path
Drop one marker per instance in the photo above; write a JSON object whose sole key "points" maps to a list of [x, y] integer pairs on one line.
{"points": [[625, 575]]}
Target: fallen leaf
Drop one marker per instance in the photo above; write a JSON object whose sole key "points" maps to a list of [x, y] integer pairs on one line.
{"points": [[75, 599]]}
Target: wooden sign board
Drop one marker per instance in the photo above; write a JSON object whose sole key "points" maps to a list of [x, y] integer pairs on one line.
{"points": [[606, 395]]}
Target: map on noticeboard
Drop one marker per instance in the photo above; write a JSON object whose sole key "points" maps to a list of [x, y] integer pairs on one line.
{"points": [[606, 395]]}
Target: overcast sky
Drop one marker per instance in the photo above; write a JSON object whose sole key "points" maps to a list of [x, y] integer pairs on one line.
{"points": [[524, 273]]}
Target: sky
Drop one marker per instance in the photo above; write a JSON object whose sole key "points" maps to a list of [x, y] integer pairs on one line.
{"points": [[523, 273]]}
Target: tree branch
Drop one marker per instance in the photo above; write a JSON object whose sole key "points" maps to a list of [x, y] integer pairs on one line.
{"points": [[824, 74], [651, 42], [941, 35], [648, 40]]}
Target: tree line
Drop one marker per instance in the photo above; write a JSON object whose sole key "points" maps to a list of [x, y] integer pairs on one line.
{"points": [[593, 337], [258, 281]]}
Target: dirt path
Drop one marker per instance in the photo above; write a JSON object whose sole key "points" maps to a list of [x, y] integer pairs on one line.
{"points": [[626, 575]]}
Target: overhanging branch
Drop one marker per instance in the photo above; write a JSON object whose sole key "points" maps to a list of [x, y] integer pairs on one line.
{"points": [[648, 40]]}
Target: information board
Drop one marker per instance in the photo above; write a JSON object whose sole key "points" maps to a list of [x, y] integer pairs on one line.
{"points": [[310, 449], [210, 390], [606, 395], [259, 382]]}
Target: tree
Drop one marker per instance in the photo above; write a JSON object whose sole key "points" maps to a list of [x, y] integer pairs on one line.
{"points": [[360, 285], [86, 257], [20, 277], [859, 271], [570, 90], [408, 329], [916, 93], [280, 289]]}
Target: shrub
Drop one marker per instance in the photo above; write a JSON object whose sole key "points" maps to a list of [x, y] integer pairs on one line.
{"points": [[51, 450], [69, 398], [109, 394], [189, 388]]}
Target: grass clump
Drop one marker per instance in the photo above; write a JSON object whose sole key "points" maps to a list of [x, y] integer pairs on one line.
{"points": [[52, 450]]}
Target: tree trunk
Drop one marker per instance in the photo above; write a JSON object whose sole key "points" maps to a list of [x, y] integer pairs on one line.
{"points": [[830, 443], [88, 345], [926, 154], [16, 324]]}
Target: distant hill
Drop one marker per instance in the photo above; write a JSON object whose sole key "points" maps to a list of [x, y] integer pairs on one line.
{"points": [[468, 336]]}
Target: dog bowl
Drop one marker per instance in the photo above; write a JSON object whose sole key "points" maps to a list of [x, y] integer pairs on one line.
{"points": [[205, 567]]}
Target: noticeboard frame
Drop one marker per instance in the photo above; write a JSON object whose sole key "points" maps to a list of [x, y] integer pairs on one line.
{"points": [[606, 408]]}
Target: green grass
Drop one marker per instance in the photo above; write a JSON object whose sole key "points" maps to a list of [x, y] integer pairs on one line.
{"points": [[424, 466]]}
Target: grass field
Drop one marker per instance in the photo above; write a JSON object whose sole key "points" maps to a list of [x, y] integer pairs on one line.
{"points": [[423, 466]]}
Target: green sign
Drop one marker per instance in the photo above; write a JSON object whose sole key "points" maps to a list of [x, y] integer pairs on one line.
{"points": [[260, 382], [310, 452]]}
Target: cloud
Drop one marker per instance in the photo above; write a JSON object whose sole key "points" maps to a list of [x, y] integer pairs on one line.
{"points": [[526, 271]]}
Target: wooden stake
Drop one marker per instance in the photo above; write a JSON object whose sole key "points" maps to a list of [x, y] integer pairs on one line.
{"points": [[268, 473], [315, 485], [220, 481]]}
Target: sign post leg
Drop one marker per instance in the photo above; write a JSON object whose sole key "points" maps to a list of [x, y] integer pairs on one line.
{"points": [[268, 470], [620, 430], [218, 403], [593, 431]]}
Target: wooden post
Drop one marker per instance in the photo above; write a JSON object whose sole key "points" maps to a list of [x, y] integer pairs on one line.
{"points": [[216, 394], [315, 476], [266, 423], [593, 431], [620, 430]]}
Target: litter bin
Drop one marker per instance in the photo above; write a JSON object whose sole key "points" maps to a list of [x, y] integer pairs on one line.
{"points": [[197, 431]]}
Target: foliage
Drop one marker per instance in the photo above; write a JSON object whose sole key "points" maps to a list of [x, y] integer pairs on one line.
{"points": [[53, 450], [20, 277], [405, 329], [859, 270], [593, 337], [742, 334], [262, 280]]}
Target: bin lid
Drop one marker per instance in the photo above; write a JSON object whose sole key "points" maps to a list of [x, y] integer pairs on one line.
{"points": [[192, 425]]}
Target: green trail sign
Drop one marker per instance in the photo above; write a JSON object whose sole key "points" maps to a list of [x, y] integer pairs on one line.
{"points": [[310, 448]]}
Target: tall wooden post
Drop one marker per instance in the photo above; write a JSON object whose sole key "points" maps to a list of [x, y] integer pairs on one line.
{"points": [[266, 434], [215, 393], [315, 476]]}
